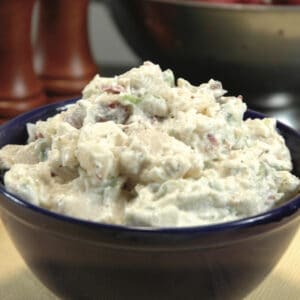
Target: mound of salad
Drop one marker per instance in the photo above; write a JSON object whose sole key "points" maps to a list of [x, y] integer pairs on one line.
{"points": [[140, 149]]}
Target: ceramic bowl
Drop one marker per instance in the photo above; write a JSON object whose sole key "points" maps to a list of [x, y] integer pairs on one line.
{"points": [[78, 259]]}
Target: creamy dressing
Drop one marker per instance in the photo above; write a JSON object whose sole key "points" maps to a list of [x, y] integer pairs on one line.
{"points": [[140, 150]]}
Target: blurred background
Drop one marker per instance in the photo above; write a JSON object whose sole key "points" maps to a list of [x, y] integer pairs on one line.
{"points": [[109, 47], [50, 49]]}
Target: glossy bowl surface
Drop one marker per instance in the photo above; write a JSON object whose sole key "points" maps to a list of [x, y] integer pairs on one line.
{"points": [[85, 260], [253, 48]]}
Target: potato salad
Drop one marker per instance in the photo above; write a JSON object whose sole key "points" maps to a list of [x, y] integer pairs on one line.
{"points": [[140, 149]]}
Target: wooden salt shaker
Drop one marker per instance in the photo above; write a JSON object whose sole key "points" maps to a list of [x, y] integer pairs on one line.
{"points": [[63, 58], [20, 89]]}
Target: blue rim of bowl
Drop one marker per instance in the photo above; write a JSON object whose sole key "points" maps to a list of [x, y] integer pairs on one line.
{"points": [[232, 6], [278, 213]]}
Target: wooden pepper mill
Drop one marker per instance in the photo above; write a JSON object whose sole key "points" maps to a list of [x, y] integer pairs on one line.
{"points": [[63, 58], [20, 89]]}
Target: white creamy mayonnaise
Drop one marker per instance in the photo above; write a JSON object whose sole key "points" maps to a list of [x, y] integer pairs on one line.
{"points": [[140, 150]]}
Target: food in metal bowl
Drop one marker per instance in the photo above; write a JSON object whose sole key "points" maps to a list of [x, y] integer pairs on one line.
{"points": [[141, 150], [249, 48]]}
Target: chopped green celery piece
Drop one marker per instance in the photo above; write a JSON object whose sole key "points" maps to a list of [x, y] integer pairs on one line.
{"points": [[169, 77], [114, 181], [229, 117], [43, 155], [131, 98], [42, 149], [162, 191], [262, 171]]}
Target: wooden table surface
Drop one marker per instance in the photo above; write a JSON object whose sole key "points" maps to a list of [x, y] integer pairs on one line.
{"points": [[18, 283]]}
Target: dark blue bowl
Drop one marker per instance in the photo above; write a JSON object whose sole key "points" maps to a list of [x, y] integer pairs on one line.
{"points": [[84, 260]]}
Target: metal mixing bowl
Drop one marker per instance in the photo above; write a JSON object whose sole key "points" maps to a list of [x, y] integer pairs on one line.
{"points": [[252, 49]]}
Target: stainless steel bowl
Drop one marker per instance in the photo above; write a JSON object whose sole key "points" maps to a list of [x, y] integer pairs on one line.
{"points": [[252, 49]]}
